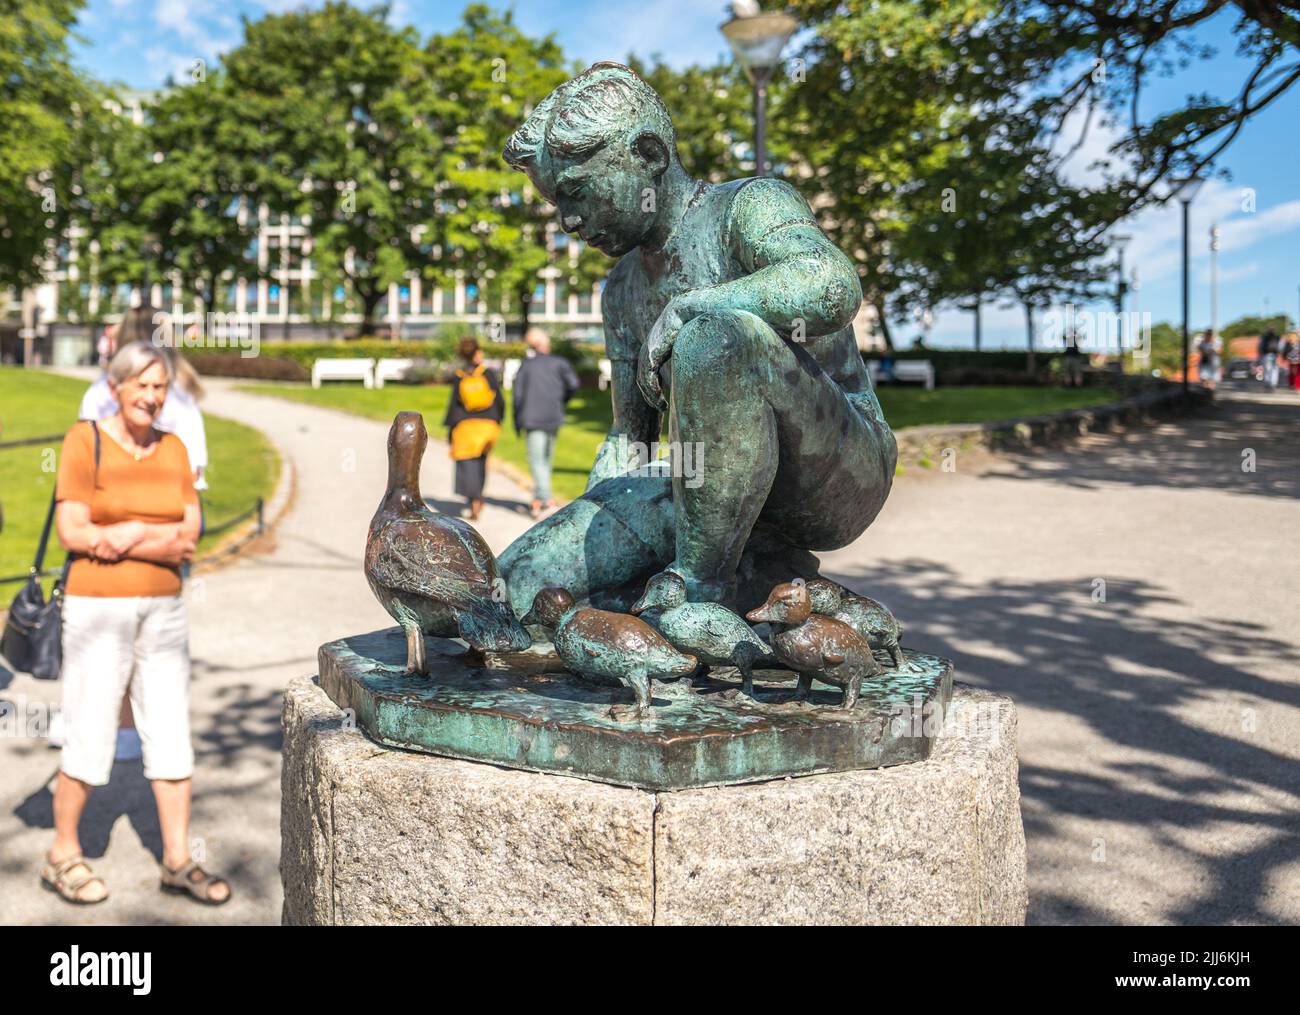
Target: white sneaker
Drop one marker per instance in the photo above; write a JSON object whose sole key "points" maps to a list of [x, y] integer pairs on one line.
{"points": [[128, 745], [56, 729]]}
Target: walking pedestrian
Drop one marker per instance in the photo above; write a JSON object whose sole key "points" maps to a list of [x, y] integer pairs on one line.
{"points": [[473, 422], [1268, 344], [1208, 363], [1291, 357], [1072, 362], [129, 515], [543, 387]]}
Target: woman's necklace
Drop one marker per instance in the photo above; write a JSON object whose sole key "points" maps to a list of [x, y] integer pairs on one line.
{"points": [[136, 450]]}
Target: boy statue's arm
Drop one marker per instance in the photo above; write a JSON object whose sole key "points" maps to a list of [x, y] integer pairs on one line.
{"points": [[799, 282]]}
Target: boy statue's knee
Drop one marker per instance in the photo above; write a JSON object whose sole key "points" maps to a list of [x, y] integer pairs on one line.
{"points": [[721, 334]]}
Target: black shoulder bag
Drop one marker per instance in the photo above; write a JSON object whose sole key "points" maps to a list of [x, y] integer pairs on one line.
{"points": [[32, 639]]}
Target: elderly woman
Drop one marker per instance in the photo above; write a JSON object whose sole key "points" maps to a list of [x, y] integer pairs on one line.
{"points": [[129, 515]]}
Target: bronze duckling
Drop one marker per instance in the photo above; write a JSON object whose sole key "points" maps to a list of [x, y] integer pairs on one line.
{"points": [[709, 631], [599, 643], [815, 646], [434, 574], [869, 618]]}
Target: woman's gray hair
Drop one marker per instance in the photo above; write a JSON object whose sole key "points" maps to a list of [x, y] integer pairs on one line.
{"points": [[135, 358]]}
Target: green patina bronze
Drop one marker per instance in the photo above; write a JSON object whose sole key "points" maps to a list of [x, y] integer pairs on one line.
{"points": [[727, 317], [521, 716], [730, 311]]}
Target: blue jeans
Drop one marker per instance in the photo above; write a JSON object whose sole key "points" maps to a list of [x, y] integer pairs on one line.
{"points": [[541, 446]]}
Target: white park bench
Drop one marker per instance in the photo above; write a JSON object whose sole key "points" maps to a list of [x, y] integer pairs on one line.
{"points": [[606, 374], [389, 370], [362, 370], [921, 370]]}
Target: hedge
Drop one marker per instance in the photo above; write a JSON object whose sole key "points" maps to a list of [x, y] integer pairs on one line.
{"points": [[292, 361]]}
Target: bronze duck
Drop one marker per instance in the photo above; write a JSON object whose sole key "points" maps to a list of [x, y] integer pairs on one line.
{"points": [[815, 646], [599, 643], [869, 618], [709, 631], [434, 574]]}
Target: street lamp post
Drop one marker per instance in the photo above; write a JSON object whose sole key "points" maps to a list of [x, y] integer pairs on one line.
{"points": [[1186, 190], [1215, 232], [757, 39], [1121, 241]]}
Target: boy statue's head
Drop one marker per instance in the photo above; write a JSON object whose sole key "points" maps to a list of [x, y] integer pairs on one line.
{"points": [[600, 147]]}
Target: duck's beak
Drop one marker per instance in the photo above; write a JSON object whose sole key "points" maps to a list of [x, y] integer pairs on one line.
{"points": [[530, 618], [760, 615], [641, 605]]}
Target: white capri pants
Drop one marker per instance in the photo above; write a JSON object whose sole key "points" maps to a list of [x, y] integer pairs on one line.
{"points": [[111, 644]]}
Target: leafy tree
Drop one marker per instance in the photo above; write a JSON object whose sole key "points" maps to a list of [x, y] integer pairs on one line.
{"points": [[340, 117], [898, 100], [1107, 51], [1165, 355], [1253, 324], [38, 89], [194, 185], [111, 180], [492, 224]]}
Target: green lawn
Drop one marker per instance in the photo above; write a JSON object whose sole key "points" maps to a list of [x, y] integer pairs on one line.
{"points": [[914, 406], [242, 464], [588, 415]]}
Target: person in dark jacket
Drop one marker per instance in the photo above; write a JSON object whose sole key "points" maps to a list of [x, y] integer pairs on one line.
{"points": [[544, 384], [473, 422]]}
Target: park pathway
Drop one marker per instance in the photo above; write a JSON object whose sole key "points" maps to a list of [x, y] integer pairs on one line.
{"points": [[1159, 728]]}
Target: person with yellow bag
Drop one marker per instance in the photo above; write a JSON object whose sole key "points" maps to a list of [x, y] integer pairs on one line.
{"points": [[473, 422]]}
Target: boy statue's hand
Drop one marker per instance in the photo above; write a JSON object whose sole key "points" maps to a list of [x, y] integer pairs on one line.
{"points": [[659, 343]]}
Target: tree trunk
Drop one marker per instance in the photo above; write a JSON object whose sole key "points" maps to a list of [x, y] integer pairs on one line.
{"points": [[1031, 361], [883, 324], [525, 307], [979, 302], [369, 300]]}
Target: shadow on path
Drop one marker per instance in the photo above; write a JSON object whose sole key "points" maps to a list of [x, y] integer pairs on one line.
{"points": [[1127, 675], [1203, 452]]}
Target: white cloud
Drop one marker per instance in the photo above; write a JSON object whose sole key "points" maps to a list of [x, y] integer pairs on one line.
{"points": [[203, 28], [1229, 274], [683, 32]]}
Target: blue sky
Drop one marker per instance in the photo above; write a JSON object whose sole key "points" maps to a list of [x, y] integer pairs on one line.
{"points": [[141, 42]]}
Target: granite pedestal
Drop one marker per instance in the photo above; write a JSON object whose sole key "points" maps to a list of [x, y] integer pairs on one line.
{"points": [[377, 835]]}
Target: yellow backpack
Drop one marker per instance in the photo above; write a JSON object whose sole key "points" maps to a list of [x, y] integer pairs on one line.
{"points": [[476, 393]]}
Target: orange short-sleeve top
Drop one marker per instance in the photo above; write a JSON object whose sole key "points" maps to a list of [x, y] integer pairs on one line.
{"points": [[155, 489]]}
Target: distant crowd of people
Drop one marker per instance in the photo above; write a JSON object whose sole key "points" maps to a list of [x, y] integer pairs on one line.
{"points": [[1276, 361]]}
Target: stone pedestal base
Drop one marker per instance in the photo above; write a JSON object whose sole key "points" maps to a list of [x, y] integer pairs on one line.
{"points": [[375, 835]]}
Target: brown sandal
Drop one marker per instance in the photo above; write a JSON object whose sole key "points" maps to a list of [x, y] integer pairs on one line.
{"points": [[57, 878], [191, 879]]}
